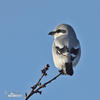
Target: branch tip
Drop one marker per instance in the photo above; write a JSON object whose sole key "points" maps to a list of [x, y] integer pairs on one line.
{"points": [[34, 87], [40, 92]]}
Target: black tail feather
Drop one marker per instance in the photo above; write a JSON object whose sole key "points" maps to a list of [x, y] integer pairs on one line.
{"points": [[69, 69]]}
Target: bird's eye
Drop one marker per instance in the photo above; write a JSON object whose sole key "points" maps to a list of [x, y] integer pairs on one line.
{"points": [[63, 31]]}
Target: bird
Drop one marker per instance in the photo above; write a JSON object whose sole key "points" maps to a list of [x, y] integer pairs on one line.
{"points": [[66, 49]]}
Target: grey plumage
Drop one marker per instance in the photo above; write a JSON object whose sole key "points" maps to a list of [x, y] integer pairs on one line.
{"points": [[66, 49]]}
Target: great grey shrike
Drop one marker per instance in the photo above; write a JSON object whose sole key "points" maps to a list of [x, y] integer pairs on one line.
{"points": [[66, 49]]}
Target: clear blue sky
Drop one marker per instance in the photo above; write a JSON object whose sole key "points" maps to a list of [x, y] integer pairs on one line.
{"points": [[25, 47]]}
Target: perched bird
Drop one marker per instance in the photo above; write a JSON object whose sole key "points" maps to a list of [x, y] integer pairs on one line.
{"points": [[66, 50]]}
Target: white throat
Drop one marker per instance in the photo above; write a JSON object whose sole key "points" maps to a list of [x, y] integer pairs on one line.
{"points": [[58, 34]]}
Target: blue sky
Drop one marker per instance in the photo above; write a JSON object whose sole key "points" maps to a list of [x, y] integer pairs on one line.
{"points": [[25, 47]]}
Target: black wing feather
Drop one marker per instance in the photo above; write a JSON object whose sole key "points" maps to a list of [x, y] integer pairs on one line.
{"points": [[74, 52], [61, 50]]}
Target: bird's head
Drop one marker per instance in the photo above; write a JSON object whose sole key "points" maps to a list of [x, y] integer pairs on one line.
{"points": [[62, 29]]}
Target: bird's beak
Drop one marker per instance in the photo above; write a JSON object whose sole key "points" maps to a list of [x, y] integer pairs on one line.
{"points": [[51, 33]]}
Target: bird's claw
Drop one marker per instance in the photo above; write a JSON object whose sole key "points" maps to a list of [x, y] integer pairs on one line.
{"points": [[61, 71]]}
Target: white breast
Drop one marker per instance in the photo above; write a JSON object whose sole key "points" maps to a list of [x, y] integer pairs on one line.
{"points": [[59, 60]]}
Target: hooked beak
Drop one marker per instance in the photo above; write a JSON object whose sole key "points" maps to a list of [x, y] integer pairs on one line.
{"points": [[51, 33]]}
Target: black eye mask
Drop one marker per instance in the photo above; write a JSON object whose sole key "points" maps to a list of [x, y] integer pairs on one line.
{"points": [[59, 30]]}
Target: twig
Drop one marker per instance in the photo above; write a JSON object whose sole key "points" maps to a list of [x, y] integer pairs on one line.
{"points": [[43, 74], [36, 88]]}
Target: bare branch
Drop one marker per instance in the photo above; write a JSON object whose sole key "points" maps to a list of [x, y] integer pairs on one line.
{"points": [[36, 88], [43, 74]]}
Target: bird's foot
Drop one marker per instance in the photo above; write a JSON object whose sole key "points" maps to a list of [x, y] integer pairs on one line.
{"points": [[61, 71]]}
